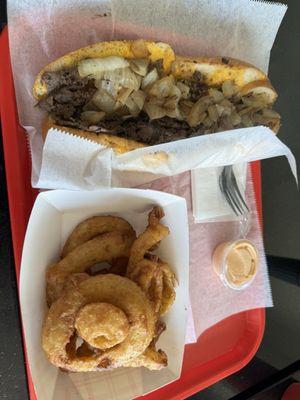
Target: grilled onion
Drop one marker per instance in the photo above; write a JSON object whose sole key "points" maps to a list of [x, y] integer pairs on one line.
{"points": [[154, 111], [138, 96], [229, 88], [162, 87], [175, 113], [185, 90], [258, 100], [96, 67], [149, 79], [216, 94], [122, 77], [139, 66], [195, 116], [235, 118], [132, 107], [123, 94], [108, 86], [213, 113], [104, 101]]}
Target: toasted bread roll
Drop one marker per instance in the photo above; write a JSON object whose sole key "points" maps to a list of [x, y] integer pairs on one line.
{"points": [[124, 48], [152, 96]]}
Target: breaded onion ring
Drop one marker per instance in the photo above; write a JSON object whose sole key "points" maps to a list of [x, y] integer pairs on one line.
{"points": [[154, 233], [157, 280], [169, 283], [150, 279], [73, 280], [95, 226], [102, 325], [154, 276], [102, 248], [64, 315], [151, 358]]}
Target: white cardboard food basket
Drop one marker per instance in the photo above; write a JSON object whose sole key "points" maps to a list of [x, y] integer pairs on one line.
{"points": [[54, 215]]}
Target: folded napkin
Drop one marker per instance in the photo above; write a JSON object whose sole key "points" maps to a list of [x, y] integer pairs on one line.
{"points": [[208, 202]]}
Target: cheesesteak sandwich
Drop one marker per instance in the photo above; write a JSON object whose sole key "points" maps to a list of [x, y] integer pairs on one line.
{"points": [[128, 94]]}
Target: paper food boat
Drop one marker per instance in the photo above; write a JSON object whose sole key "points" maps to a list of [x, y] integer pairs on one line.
{"points": [[53, 217]]}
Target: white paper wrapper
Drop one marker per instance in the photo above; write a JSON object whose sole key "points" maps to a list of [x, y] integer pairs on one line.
{"points": [[54, 215], [40, 31], [90, 166]]}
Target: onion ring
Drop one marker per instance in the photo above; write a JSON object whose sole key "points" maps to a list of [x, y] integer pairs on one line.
{"points": [[168, 292], [152, 359], [157, 280], [73, 281], [102, 248], [154, 276], [95, 226], [102, 325], [60, 323], [153, 234], [150, 279]]}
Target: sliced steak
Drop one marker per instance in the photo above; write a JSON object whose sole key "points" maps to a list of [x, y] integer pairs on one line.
{"points": [[68, 94]]}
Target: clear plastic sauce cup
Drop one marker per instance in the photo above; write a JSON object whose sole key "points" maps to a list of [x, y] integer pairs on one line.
{"points": [[236, 263]]}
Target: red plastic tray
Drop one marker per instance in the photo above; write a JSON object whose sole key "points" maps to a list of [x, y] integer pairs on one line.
{"points": [[221, 350]]}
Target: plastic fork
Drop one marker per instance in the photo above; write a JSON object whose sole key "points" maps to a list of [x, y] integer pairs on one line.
{"points": [[232, 194], [231, 191]]}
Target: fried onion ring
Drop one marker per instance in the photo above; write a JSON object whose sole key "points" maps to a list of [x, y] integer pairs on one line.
{"points": [[105, 247], [150, 279], [153, 234], [157, 280], [60, 324], [169, 283], [95, 226], [73, 281], [102, 325], [118, 266], [152, 359], [154, 276]]}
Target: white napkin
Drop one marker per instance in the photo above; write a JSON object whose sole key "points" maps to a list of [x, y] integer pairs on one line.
{"points": [[70, 162], [208, 201]]}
